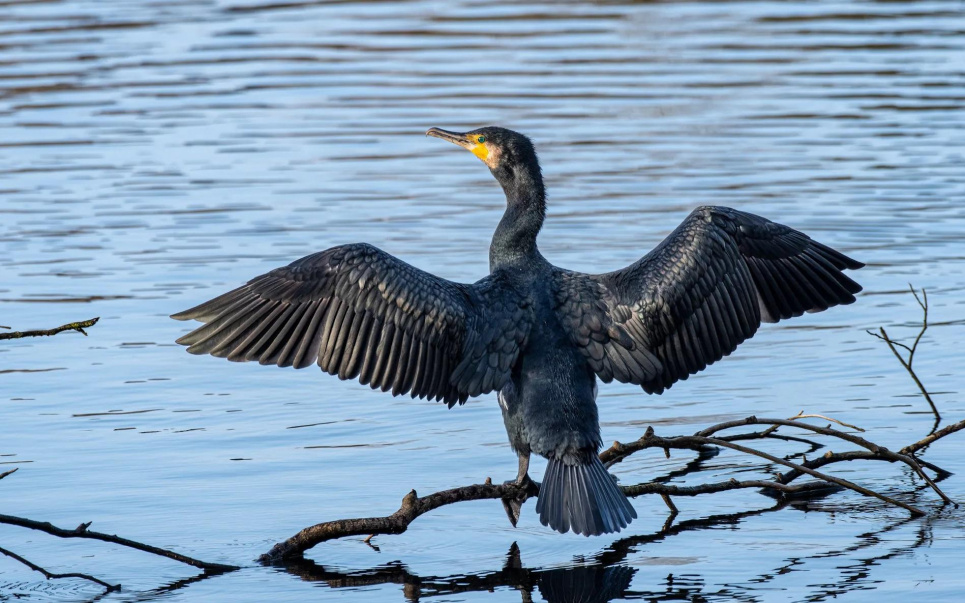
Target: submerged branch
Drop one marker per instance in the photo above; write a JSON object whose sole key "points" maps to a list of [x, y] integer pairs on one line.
{"points": [[73, 326], [82, 532], [53, 576]]}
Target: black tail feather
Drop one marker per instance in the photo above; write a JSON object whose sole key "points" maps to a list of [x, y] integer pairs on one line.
{"points": [[582, 497]]}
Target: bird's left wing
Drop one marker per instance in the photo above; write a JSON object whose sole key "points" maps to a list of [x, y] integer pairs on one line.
{"points": [[357, 311], [697, 296]]}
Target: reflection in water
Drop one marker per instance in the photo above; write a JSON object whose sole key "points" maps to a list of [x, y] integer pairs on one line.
{"points": [[584, 584], [608, 578], [579, 584]]}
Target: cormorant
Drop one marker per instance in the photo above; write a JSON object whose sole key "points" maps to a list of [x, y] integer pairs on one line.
{"points": [[538, 335]]}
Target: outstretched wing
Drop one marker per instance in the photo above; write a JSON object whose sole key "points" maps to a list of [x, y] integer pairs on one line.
{"points": [[698, 295], [357, 311]]}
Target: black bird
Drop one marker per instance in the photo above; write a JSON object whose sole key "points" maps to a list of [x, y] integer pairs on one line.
{"points": [[537, 334]]}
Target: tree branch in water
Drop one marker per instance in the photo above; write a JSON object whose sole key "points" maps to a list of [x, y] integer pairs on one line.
{"points": [[894, 345], [53, 576], [81, 531], [414, 506], [73, 326]]}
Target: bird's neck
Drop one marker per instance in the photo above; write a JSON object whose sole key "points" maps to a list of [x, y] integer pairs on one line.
{"points": [[514, 242]]}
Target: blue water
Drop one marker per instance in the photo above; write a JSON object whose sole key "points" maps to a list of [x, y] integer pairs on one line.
{"points": [[155, 154]]}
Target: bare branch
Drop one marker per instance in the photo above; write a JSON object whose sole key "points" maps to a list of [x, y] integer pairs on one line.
{"points": [[885, 339], [894, 345], [665, 490], [73, 326], [53, 576], [924, 320], [823, 476], [701, 440], [930, 438], [6, 473], [82, 532], [768, 434], [801, 415], [413, 506], [876, 452]]}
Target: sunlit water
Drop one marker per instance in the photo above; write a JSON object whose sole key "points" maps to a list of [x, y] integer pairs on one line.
{"points": [[155, 154]]}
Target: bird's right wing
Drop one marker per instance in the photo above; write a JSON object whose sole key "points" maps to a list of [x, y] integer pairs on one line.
{"points": [[698, 295], [357, 311]]}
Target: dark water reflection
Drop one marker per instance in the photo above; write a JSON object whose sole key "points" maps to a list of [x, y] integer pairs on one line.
{"points": [[605, 577], [153, 154], [592, 583]]}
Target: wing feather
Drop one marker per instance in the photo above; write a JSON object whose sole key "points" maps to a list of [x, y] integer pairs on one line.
{"points": [[356, 311], [300, 321], [258, 339], [371, 357], [697, 296]]}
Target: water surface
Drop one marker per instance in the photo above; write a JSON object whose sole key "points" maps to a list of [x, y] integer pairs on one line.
{"points": [[155, 154]]}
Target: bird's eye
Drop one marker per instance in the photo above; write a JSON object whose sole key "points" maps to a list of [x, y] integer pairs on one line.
{"points": [[481, 139]]}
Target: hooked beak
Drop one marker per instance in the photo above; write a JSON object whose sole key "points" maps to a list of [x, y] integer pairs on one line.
{"points": [[453, 137]]}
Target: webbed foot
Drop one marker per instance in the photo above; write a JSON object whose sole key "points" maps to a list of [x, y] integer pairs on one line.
{"points": [[514, 506]]}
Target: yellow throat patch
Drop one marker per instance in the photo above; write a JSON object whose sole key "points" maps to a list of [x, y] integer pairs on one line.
{"points": [[481, 151]]}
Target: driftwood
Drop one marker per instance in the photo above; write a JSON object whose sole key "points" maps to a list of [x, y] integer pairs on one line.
{"points": [[414, 506], [72, 326]]}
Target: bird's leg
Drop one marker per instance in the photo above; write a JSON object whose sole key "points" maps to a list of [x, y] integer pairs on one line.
{"points": [[513, 506], [523, 473]]}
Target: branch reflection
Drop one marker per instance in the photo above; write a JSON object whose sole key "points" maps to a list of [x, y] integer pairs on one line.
{"points": [[607, 576]]}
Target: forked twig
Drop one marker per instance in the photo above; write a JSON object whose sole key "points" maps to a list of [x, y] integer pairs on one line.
{"points": [[894, 345]]}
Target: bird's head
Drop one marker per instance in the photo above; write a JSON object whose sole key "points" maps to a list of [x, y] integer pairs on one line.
{"points": [[496, 147]]}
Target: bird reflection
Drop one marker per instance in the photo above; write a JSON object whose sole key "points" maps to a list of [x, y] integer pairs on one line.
{"points": [[587, 584], [595, 583]]}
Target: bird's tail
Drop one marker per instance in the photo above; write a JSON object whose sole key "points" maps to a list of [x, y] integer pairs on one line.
{"points": [[581, 495]]}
